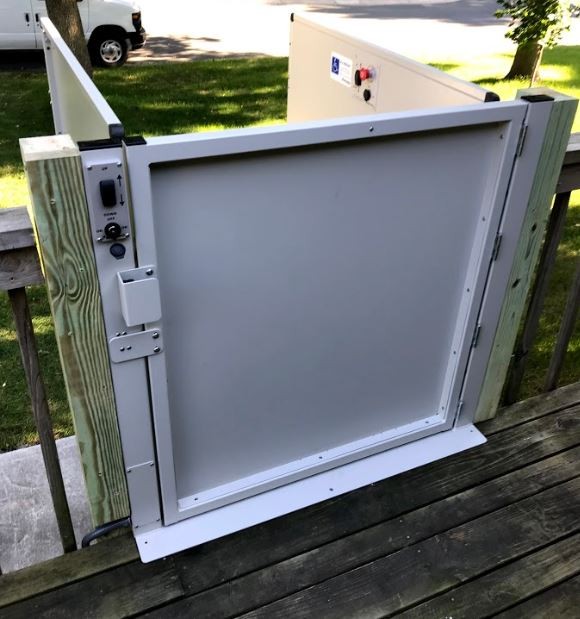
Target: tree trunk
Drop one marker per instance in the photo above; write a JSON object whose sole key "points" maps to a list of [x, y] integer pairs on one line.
{"points": [[64, 14], [526, 61]]}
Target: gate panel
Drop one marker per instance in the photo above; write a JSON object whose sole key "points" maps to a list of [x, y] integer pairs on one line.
{"points": [[317, 290]]}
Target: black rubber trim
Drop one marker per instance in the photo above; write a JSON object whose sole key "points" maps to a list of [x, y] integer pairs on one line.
{"points": [[537, 98], [116, 132], [491, 97], [134, 140], [98, 144], [291, 16]]}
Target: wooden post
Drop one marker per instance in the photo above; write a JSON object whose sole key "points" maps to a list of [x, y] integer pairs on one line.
{"points": [[539, 290], [29, 352], [565, 332], [61, 221], [528, 249]]}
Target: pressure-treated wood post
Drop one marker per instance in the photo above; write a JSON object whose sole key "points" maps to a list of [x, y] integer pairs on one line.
{"points": [[528, 249], [61, 221]]}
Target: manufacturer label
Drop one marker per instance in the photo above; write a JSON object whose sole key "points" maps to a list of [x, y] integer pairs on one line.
{"points": [[341, 69]]}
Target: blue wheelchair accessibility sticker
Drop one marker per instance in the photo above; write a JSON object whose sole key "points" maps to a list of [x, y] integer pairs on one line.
{"points": [[335, 65]]}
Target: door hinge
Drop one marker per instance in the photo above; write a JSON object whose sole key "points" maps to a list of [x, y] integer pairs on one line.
{"points": [[496, 246], [476, 333], [135, 345], [521, 140]]}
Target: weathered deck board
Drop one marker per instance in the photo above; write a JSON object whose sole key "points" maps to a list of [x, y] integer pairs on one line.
{"points": [[287, 577], [473, 535], [506, 586], [561, 602], [403, 579], [67, 569]]}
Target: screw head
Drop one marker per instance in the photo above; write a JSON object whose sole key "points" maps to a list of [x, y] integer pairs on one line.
{"points": [[155, 336], [157, 349], [149, 272], [122, 349]]}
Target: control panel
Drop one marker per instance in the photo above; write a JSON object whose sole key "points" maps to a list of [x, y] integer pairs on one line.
{"points": [[365, 82], [111, 219]]}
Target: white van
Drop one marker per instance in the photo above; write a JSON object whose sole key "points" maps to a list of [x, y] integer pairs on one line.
{"points": [[112, 27]]}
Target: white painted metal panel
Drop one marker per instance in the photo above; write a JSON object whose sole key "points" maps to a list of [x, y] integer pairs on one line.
{"points": [[317, 303], [322, 69], [78, 108]]}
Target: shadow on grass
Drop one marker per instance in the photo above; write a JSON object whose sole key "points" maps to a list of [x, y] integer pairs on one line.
{"points": [[180, 49], [165, 99]]}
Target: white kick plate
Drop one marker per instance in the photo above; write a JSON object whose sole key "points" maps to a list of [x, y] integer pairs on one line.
{"points": [[163, 541]]}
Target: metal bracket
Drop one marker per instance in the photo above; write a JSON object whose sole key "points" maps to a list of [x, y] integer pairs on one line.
{"points": [[135, 345], [476, 334], [496, 246], [139, 293]]}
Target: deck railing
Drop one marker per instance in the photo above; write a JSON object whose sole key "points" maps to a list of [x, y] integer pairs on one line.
{"points": [[20, 267]]}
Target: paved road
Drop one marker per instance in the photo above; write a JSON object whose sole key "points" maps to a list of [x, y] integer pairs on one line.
{"points": [[429, 29]]}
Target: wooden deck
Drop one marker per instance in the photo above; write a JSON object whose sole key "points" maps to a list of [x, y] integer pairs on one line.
{"points": [[493, 531]]}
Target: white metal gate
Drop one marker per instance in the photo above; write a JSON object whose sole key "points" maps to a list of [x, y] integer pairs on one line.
{"points": [[297, 311]]}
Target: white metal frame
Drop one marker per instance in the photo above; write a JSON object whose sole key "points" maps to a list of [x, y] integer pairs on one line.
{"points": [[188, 147], [78, 108]]}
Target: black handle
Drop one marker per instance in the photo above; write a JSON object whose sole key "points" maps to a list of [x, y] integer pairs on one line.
{"points": [[27, 17], [37, 18]]}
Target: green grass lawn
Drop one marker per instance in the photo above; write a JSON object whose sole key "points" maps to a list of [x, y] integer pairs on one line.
{"points": [[161, 99]]}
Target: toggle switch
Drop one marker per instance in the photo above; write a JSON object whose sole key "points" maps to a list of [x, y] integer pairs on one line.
{"points": [[108, 192]]}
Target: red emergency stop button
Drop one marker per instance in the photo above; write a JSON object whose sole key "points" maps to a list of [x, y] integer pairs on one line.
{"points": [[365, 74]]}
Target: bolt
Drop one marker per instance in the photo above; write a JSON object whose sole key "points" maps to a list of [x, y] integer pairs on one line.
{"points": [[117, 335], [371, 128], [151, 464], [122, 349], [155, 336], [157, 349], [129, 347], [90, 167], [124, 333], [149, 272]]}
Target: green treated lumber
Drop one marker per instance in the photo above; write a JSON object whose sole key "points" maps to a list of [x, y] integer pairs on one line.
{"points": [[507, 585], [414, 574], [292, 575], [528, 248], [61, 222], [67, 569]]}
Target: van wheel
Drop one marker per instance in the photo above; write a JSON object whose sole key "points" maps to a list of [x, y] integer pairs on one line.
{"points": [[108, 50]]}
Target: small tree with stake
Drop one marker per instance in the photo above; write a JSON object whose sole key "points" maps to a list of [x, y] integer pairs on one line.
{"points": [[535, 24]]}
